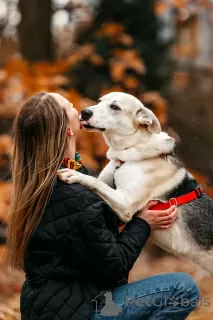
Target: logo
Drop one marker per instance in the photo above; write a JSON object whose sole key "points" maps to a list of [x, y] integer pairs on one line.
{"points": [[104, 305]]}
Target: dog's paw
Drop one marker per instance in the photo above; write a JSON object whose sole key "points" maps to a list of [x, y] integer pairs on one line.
{"points": [[68, 175], [72, 180]]}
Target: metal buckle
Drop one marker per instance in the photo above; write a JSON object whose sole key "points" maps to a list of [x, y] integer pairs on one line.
{"points": [[198, 192], [174, 204]]}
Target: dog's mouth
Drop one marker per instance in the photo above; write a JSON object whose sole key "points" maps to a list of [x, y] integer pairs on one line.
{"points": [[89, 127]]}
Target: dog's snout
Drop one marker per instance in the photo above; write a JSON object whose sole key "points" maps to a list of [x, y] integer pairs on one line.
{"points": [[86, 114]]}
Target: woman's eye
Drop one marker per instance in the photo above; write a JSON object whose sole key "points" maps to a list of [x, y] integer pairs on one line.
{"points": [[114, 107]]}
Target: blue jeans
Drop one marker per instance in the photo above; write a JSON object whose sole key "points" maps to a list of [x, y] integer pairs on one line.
{"points": [[170, 296]]}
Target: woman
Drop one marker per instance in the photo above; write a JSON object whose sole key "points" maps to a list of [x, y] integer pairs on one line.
{"points": [[66, 238]]}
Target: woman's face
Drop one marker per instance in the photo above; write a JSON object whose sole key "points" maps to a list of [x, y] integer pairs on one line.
{"points": [[72, 113]]}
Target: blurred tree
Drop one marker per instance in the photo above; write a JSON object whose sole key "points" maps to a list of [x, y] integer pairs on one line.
{"points": [[139, 19], [123, 32], [120, 51], [34, 30]]}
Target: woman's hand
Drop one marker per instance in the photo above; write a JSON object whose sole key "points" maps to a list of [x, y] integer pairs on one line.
{"points": [[158, 219]]}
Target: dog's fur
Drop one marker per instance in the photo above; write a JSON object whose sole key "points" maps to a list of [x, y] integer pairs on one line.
{"points": [[134, 135]]}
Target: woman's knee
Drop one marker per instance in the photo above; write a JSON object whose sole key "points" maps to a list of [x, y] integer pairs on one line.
{"points": [[187, 288], [179, 288], [186, 283]]}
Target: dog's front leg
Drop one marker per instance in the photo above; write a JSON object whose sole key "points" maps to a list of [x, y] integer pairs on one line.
{"points": [[121, 201], [107, 174]]}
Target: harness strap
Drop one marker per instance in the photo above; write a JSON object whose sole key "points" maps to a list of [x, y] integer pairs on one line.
{"points": [[178, 201]]}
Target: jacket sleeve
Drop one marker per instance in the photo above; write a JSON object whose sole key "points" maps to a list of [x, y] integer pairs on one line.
{"points": [[99, 252]]}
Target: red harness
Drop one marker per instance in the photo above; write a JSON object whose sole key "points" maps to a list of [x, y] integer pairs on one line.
{"points": [[178, 201]]}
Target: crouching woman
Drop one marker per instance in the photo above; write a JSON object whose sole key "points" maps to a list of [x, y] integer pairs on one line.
{"points": [[66, 238]]}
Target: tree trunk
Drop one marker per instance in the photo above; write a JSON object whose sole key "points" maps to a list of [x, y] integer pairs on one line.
{"points": [[34, 30]]}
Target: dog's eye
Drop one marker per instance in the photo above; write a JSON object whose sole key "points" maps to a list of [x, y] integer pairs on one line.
{"points": [[114, 107]]}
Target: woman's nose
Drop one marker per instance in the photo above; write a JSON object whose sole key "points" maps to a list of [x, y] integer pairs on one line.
{"points": [[86, 114]]}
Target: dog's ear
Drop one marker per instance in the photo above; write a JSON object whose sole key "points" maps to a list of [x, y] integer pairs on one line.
{"points": [[147, 118]]}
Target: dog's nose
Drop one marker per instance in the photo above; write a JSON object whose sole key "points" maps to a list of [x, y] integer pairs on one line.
{"points": [[86, 114]]}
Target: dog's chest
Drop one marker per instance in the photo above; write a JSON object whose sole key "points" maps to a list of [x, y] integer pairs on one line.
{"points": [[133, 173]]}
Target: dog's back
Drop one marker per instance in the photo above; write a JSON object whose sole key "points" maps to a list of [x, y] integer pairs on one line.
{"points": [[192, 233], [197, 214]]}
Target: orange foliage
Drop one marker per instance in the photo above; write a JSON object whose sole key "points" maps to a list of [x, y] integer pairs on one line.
{"points": [[5, 195], [10, 286], [6, 148], [111, 30], [115, 88], [125, 39], [3, 76], [117, 70], [131, 82], [186, 50], [181, 79], [130, 59], [96, 59], [162, 6]]}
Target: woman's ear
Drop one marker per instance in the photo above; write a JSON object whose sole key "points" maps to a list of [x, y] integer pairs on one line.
{"points": [[70, 133]]}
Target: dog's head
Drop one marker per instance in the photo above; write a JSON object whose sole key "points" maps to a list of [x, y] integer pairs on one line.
{"points": [[121, 114]]}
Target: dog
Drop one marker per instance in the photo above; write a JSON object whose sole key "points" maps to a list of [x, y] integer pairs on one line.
{"points": [[143, 167]]}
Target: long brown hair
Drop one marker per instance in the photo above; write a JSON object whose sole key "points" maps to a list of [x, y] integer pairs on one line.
{"points": [[39, 133]]}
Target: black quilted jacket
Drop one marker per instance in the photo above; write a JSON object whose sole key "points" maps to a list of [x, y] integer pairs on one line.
{"points": [[75, 253]]}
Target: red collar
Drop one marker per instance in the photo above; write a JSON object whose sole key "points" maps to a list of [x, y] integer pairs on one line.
{"points": [[121, 162], [196, 193]]}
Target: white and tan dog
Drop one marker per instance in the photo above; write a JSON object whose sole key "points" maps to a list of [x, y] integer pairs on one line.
{"points": [[143, 167]]}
